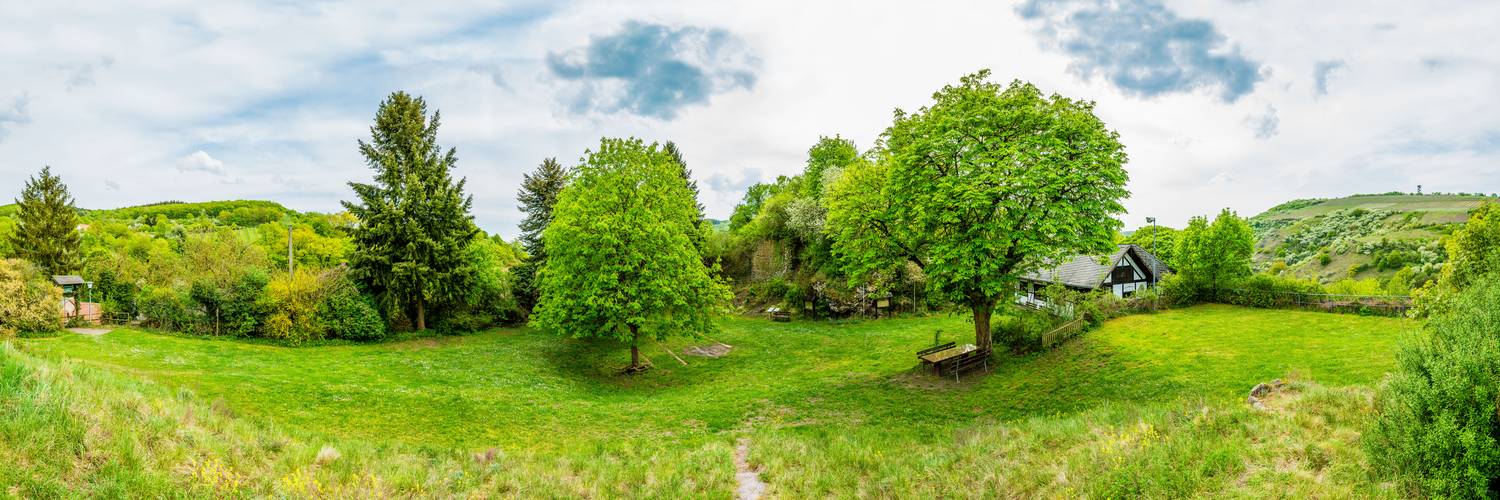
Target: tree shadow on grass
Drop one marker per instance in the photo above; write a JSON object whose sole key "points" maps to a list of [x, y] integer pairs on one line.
{"points": [[600, 364]]}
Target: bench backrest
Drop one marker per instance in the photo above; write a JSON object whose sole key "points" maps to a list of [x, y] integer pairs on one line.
{"points": [[936, 348]]}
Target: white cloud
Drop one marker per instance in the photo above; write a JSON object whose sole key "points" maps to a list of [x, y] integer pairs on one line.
{"points": [[281, 91], [200, 161]]}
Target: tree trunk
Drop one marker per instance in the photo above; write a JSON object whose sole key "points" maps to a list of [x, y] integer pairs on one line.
{"points": [[421, 314], [635, 347], [982, 309]]}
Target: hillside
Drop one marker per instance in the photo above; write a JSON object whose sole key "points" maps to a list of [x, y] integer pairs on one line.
{"points": [[1360, 236]]}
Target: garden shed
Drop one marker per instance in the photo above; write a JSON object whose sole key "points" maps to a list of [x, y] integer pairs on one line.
{"points": [[71, 307]]}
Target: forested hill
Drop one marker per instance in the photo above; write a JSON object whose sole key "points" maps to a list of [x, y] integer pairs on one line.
{"points": [[243, 213], [1360, 236]]}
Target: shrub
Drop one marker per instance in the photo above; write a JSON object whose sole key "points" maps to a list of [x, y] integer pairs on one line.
{"points": [[1436, 425], [234, 309], [465, 321], [1265, 290], [347, 313], [292, 303], [1368, 286], [1176, 291], [28, 302], [492, 262], [1021, 330], [319, 305], [165, 307]]}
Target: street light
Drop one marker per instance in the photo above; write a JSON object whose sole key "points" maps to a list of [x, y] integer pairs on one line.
{"points": [[1152, 222]]}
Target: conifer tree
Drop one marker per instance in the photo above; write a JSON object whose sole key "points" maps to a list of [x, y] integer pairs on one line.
{"points": [[539, 191], [46, 230], [414, 221], [699, 238]]}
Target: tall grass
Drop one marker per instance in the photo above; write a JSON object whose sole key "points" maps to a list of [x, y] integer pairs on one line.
{"points": [[1306, 446], [70, 430], [73, 431]]}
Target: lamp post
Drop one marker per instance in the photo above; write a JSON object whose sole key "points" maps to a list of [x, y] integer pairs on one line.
{"points": [[1152, 222]]}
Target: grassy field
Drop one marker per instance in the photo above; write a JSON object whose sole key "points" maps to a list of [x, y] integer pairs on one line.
{"points": [[827, 408], [1448, 208]]}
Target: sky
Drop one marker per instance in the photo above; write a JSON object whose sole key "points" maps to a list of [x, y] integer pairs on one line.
{"points": [[1238, 104]]}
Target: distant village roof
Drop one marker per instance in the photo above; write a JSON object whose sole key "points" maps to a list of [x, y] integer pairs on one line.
{"points": [[1087, 272], [67, 280]]}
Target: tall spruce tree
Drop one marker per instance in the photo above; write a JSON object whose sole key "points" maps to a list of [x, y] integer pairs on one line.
{"points": [[539, 191], [699, 237], [46, 230], [414, 221]]}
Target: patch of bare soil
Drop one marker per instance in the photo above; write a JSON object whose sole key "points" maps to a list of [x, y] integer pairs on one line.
{"points": [[713, 350]]}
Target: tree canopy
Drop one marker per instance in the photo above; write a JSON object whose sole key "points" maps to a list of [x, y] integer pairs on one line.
{"points": [[1215, 256], [46, 231], [1161, 241], [983, 185], [414, 219], [620, 257]]}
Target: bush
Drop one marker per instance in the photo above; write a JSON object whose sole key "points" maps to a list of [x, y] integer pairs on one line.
{"points": [[347, 313], [234, 309], [319, 305], [1265, 290], [292, 303], [28, 301], [1176, 291], [164, 307], [1021, 329], [465, 321], [1436, 425]]}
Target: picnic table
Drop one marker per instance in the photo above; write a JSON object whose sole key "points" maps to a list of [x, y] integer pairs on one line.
{"points": [[953, 358], [939, 356]]}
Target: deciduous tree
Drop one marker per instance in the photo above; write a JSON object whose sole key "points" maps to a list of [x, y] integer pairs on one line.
{"points": [[982, 186], [830, 153], [1161, 241], [46, 231], [1214, 256], [620, 257], [414, 219]]}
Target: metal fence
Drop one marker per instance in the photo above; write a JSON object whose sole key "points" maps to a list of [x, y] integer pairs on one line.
{"points": [[1383, 305]]}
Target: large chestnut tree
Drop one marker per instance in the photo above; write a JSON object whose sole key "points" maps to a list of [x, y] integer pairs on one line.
{"points": [[983, 185]]}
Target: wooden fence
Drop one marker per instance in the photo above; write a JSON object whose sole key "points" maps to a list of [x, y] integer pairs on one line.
{"points": [[1062, 333]]}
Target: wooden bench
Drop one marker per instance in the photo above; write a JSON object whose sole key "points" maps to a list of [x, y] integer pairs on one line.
{"points": [[782, 316], [964, 362]]}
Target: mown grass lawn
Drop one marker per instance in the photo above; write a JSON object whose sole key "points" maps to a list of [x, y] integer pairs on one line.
{"points": [[843, 395]]}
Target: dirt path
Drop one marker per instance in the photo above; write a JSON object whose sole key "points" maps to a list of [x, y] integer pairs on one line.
{"points": [[92, 332], [751, 487]]}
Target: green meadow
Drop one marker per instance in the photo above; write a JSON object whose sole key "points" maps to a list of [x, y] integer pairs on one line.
{"points": [[834, 408]]}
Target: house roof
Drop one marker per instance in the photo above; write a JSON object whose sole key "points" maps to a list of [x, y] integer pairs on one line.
{"points": [[67, 280], [1087, 271]]}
